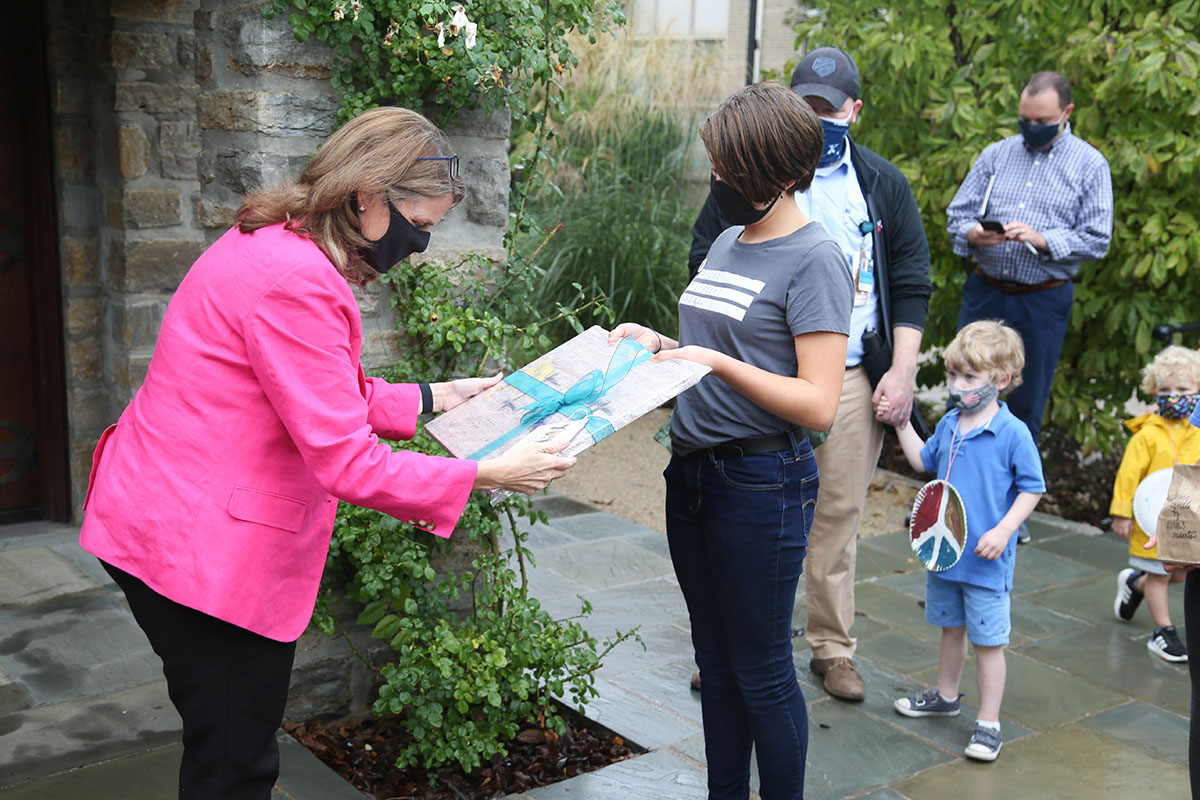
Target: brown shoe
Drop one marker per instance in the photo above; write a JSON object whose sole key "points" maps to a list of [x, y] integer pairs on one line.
{"points": [[841, 678], [696, 681]]}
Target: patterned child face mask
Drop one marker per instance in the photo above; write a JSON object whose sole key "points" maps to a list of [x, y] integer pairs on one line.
{"points": [[1176, 406], [969, 401]]}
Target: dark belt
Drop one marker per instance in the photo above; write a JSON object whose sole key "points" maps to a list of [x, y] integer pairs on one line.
{"points": [[1012, 287], [737, 448]]}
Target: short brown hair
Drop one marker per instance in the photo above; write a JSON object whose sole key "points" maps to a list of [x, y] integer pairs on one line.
{"points": [[1172, 361], [379, 150], [1049, 79], [763, 140], [988, 346]]}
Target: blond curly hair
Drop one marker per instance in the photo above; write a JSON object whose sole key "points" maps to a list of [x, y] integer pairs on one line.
{"points": [[1171, 362], [988, 346]]}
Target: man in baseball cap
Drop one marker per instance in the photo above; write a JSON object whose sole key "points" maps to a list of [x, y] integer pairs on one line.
{"points": [[867, 206], [827, 73]]}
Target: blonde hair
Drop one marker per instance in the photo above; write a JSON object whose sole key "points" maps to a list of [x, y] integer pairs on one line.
{"points": [[988, 346], [378, 151], [764, 140], [1173, 360]]}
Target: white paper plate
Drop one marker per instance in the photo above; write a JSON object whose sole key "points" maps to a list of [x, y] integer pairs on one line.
{"points": [[1150, 497]]}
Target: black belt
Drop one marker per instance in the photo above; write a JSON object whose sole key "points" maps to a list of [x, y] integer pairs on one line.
{"points": [[737, 448]]}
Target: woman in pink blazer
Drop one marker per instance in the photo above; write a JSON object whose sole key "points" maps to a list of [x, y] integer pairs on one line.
{"points": [[211, 501]]}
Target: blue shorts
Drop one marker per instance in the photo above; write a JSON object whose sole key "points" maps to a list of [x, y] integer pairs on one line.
{"points": [[985, 612]]}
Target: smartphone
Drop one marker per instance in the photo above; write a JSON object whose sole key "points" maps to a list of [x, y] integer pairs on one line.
{"points": [[994, 225]]}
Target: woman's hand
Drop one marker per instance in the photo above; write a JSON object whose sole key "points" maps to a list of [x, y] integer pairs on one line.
{"points": [[454, 393], [1169, 566], [701, 355], [646, 337], [525, 468]]}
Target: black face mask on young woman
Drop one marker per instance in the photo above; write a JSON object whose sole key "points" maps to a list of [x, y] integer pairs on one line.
{"points": [[401, 240], [734, 208]]}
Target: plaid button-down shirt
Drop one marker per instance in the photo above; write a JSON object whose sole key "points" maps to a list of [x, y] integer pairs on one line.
{"points": [[1064, 193]]}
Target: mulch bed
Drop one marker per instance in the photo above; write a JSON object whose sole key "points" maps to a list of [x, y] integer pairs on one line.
{"points": [[363, 751]]}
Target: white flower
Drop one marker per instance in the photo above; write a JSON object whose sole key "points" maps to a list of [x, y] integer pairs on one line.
{"points": [[339, 13], [469, 37], [459, 20], [441, 35]]}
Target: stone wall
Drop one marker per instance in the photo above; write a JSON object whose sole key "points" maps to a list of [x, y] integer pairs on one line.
{"points": [[164, 113]]}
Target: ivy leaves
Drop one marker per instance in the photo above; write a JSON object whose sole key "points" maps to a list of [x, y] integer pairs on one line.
{"points": [[414, 53]]}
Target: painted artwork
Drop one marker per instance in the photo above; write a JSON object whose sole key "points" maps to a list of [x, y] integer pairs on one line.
{"points": [[583, 390], [938, 528]]}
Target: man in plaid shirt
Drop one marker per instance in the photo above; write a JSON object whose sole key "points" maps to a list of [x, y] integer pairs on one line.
{"points": [[1049, 194]]}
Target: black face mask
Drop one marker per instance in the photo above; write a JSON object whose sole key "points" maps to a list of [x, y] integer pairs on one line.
{"points": [[736, 210], [400, 241]]}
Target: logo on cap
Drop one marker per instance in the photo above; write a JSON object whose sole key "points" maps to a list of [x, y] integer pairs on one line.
{"points": [[824, 66]]}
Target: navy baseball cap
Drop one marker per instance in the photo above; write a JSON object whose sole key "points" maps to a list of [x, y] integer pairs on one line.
{"points": [[828, 73]]}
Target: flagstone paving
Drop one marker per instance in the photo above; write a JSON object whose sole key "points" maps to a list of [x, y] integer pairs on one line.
{"points": [[1088, 711]]}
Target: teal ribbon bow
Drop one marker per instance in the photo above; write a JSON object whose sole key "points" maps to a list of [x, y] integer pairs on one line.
{"points": [[574, 402]]}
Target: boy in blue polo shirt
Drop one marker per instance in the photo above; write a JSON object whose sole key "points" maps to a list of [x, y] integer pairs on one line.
{"points": [[989, 456]]}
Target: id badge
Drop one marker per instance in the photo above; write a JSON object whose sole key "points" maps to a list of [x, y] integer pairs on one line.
{"points": [[864, 271]]}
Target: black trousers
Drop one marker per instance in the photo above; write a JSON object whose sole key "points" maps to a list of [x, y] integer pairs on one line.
{"points": [[1191, 622], [229, 685]]}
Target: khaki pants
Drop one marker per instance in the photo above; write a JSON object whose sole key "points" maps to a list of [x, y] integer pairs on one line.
{"points": [[847, 462]]}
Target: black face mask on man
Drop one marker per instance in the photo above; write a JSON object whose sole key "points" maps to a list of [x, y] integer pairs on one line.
{"points": [[734, 208], [400, 241]]}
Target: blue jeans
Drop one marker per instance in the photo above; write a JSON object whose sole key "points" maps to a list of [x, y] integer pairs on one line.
{"points": [[1041, 319], [738, 531]]}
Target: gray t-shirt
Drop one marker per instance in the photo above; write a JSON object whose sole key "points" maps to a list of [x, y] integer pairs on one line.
{"points": [[750, 301]]}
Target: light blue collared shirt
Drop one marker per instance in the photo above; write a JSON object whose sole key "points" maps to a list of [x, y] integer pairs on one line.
{"points": [[835, 200], [1064, 193]]}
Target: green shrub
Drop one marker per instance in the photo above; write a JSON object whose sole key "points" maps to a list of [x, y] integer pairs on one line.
{"points": [[461, 680], [388, 51], [941, 81]]}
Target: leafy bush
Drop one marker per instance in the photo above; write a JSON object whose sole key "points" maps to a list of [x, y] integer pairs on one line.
{"points": [[941, 81], [462, 679], [424, 54]]}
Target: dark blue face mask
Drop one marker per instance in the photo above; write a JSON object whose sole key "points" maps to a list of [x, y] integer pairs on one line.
{"points": [[400, 241], [734, 208], [1038, 136], [835, 140]]}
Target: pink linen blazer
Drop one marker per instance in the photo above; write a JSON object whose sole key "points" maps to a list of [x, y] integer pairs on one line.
{"points": [[218, 485]]}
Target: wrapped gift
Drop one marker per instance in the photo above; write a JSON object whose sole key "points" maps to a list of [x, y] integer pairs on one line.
{"points": [[583, 390]]}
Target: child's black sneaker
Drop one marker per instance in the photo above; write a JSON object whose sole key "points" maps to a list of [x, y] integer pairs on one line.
{"points": [[1166, 645], [1128, 596], [927, 703]]}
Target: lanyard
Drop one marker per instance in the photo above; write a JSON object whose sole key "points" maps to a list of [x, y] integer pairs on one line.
{"points": [[954, 449]]}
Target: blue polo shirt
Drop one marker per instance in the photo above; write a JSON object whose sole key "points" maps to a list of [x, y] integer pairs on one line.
{"points": [[995, 463]]}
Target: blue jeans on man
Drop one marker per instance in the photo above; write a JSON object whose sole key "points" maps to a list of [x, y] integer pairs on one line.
{"points": [[1041, 318], [738, 533]]}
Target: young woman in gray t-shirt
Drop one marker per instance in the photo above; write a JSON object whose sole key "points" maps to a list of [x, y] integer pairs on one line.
{"points": [[769, 312]]}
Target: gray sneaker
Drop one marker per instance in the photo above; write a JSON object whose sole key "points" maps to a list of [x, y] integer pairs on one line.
{"points": [[927, 703], [985, 744]]}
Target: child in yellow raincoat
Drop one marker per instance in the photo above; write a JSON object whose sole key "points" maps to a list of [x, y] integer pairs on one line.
{"points": [[1161, 439]]}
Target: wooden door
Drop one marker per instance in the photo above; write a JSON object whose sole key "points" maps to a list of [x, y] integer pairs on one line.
{"points": [[33, 452]]}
